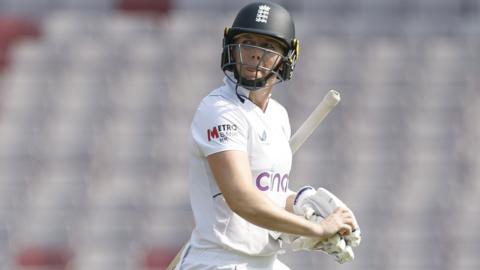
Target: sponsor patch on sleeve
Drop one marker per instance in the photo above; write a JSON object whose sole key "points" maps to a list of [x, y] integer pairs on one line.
{"points": [[222, 133]]}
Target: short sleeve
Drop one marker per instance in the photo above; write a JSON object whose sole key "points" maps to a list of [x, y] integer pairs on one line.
{"points": [[219, 126]]}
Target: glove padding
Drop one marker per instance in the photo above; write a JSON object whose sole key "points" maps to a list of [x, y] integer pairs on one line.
{"points": [[315, 206], [335, 245], [323, 202]]}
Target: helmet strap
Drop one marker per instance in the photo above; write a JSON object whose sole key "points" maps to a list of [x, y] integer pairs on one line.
{"points": [[252, 85]]}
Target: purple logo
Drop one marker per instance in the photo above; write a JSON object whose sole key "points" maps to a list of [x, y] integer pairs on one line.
{"points": [[272, 181]]}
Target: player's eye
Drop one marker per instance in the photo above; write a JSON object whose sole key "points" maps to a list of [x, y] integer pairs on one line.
{"points": [[248, 42], [267, 46]]}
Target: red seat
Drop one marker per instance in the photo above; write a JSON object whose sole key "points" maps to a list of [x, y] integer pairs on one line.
{"points": [[159, 258], [148, 6], [12, 30], [52, 257]]}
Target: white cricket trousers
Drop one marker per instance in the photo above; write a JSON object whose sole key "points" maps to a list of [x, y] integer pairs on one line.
{"points": [[203, 259]]}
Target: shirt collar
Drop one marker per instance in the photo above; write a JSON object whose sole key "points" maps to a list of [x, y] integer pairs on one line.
{"points": [[243, 93]]}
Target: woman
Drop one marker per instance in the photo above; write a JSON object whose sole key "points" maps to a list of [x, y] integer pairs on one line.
{"points": [[240, 157]]}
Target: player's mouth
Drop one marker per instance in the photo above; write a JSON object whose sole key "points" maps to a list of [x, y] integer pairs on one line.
{"points": [[252, 73]]}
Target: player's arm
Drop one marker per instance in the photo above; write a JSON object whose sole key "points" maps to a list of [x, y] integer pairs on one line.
{"points": [[231, 171]]}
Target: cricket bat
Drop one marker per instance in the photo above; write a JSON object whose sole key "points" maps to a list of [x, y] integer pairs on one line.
{"points": [[329, 101]]}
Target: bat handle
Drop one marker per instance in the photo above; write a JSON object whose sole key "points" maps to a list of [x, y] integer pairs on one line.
{"points": [[329, 101]]}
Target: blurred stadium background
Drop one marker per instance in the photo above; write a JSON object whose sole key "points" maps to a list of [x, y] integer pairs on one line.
{"points": [[96, 99]]}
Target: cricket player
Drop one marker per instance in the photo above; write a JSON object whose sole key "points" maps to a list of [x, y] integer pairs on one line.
{"points": [[239, 153]]}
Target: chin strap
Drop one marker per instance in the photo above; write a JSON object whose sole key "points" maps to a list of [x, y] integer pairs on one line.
{"points": [[242, 98], [253, 85]]}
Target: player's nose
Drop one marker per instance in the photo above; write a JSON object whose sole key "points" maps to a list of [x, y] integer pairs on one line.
{"points": [[256, 56]]}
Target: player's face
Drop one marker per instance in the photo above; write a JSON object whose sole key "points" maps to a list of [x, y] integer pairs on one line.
{"points": [[257, 55]]}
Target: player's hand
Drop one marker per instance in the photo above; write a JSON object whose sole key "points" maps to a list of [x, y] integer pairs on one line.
{"points": [[316, 205], [338, 227], [340, 221]]}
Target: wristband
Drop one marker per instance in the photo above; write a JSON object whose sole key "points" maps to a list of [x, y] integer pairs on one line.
{"points": [[301, 191]]}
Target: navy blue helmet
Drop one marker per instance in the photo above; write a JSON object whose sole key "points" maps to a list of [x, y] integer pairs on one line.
{"points": [[267, 19]]}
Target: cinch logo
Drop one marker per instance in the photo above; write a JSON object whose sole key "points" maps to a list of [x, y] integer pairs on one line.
{"points": [[262, 14], [222, 132], [267, 181]]}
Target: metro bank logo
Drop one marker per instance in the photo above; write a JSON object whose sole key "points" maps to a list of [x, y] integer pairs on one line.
{"points": [[222, 132]]}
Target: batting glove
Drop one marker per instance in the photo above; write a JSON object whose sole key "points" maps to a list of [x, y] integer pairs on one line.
{"points": [[323, 202], [299, 205], [335, 246], [314, 206]]}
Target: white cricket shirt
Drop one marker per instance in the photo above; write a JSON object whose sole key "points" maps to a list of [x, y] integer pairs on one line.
{"points": [[223, 122]]}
